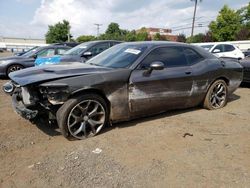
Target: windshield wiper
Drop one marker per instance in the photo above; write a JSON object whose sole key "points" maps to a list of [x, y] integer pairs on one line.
{"points": [[95, 64]]}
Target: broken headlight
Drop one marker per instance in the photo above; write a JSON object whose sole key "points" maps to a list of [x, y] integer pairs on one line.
{"points": [[55, 93], [8, 87]]}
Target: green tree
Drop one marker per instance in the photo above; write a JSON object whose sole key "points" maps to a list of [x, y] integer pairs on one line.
{"points": [[244, 32], [245, 15], [208, 37], [130, 36], [113, 28], [157, 36], [226, 25], [142, 35], [85, 38], [58, 32], [196, 38], [181, 38], [113, 32]]}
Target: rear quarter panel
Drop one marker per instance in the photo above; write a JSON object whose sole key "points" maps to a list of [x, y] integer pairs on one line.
{"points": [[234, 71]]}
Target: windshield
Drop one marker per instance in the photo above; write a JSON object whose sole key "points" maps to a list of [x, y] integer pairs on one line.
{"points": [[77, 50], [31, 52], [119, 56], [207, 47]]}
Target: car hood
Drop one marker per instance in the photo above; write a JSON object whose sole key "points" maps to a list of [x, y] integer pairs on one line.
{"points": [[70, 58], [53, 72]]}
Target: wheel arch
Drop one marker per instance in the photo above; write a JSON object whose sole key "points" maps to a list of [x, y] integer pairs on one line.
{"points": [[219, 78], [91, 91]]}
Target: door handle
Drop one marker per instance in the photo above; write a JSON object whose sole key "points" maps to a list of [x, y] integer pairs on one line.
{"points": [[223, 63], [188, 72]]}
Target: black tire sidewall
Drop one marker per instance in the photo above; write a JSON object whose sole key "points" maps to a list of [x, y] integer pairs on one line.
{"points": [[64, 111], [208, 104]]}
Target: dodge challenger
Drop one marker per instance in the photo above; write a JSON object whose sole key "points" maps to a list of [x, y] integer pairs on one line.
{"points": [[127, 81]]}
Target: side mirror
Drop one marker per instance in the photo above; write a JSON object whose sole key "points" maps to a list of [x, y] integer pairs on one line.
{"points": [[216, 51], [157, 65], [87, 54], [34, 56]]}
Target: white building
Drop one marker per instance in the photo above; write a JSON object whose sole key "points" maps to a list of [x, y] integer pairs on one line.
{"points": [[20, 44]]}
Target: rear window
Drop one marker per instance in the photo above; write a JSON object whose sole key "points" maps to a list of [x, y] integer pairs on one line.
{"points": [[228, 48], [170, 56], [192, 56]]}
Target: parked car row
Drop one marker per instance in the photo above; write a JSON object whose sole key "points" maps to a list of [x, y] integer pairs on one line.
{"points": [[126, 81], [80, 53], [53, 54], [14, 63]]}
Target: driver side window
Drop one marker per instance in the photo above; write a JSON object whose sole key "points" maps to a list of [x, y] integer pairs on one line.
{"points": [[46, 53], [99, 48], [169, 56], [218, 47]]}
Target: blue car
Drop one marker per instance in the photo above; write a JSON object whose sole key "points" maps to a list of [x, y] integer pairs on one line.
{"points": [[47, 60], [15, 63]]}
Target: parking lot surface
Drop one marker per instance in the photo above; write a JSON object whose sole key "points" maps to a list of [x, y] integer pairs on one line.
{"points": [[184, 148]]}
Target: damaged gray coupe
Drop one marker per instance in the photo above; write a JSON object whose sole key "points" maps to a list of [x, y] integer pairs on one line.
{"points": [[127, 81]]}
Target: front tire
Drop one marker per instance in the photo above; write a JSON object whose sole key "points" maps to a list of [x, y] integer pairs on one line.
{"points": [[216, 96], [82, 117], [13, 68]]}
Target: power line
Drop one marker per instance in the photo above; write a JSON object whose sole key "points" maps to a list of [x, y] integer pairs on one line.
{"points": [[188, 24], [184, 28]]}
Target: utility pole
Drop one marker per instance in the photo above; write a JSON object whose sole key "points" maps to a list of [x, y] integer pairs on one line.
{"points": [[98, 29], [195, 7], [68, 34], [68, 37]]}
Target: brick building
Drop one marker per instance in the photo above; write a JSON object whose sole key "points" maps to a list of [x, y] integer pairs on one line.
{"points": [[165, 33]]}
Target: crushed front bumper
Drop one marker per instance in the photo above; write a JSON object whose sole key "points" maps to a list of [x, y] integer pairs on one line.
{"points": [[21, 109]]}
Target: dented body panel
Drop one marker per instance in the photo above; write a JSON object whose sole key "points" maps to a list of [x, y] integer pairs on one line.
{"points": [[129, 92]]}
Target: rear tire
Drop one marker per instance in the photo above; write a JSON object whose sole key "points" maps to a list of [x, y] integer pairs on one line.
{"points": [[216, 96], [82, 117]]}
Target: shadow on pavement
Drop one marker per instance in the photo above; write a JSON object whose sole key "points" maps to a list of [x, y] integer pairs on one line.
{"points": [[48, 128]]}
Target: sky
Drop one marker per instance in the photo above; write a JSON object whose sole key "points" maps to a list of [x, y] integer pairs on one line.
{"points": [[30, 18]]}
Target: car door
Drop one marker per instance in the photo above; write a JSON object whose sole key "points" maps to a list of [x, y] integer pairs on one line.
{"points": [[162, 89], [200, 75]]}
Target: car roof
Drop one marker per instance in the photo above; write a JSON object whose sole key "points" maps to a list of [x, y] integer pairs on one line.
{"points": [[158, 43], [152, 44], [55, 46], [101, 41], [212, 43]]}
